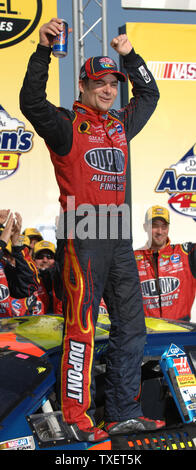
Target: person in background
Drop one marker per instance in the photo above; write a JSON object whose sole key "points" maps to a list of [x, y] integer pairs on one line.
{"points": [[34, 236], [167, 271], [10, 304], [49, 291], [44, 254], [23, 276]]}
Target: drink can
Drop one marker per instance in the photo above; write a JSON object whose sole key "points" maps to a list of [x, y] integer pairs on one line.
{"points": [[60, 42]]}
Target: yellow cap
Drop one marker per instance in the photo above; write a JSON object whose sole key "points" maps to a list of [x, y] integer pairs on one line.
{"points": [[43, 245], [157, 212], [32, 232], [23, 240]]}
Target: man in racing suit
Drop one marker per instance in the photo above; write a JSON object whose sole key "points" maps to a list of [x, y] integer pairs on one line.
{"points": [[167, 272], [88, 148]]}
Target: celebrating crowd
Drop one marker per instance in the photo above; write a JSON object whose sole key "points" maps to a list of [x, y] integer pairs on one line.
{"points": [[30, 281]]}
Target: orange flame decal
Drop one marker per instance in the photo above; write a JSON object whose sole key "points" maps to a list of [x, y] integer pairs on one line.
{"points": [[79, 329], [76, 291]]}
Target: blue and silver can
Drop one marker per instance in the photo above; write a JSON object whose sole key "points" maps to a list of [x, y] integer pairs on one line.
{"points": [[60, 43]]}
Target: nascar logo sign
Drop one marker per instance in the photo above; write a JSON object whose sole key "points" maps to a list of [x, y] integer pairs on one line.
{"points": [[173, 70], [14, 140]]}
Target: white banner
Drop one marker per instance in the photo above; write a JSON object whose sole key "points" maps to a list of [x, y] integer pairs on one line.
{"points": [[160, 4]]}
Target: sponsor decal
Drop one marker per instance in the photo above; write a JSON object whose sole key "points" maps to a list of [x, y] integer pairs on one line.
{"points": [[84, 127], [167, 285], [139, 257], [119, 127], [16, 305], [174, 351], [22, 443], [41, 370], [186, 380], [106, 63], [175, 258], [144, 74], [182, 365], [173, 70], [22, 356], [37, 308], [179, 181], [14, 140], [75, 374], [4, 307], [115, 126], [18, 21], [110, 160], [4, 292], [110, 182], [103, 308], [164, 262]]}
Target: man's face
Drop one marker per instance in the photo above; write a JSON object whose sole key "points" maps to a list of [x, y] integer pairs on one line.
{"points": [[99, 94], [157, 231], [44, 259]]}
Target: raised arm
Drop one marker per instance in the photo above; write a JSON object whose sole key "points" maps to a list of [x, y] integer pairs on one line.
{"points": [[51, 123], [144, 89]]}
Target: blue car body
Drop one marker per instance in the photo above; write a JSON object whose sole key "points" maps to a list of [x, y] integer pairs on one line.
{"points": [[30, 416]]}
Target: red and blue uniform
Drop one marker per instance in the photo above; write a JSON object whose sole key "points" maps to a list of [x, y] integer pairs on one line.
{"points": [[168, 280]]}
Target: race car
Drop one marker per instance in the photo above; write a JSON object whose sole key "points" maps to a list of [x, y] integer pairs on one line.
{"points": [[30, 414]]}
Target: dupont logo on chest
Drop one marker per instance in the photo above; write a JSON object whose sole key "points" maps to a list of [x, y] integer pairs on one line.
{"points": [[110, 160], [4, 292], [167, 285]]}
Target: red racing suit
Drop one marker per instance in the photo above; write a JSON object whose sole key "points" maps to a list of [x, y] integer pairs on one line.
{"points": [[168, 280], [89, 153], [100, 164]]}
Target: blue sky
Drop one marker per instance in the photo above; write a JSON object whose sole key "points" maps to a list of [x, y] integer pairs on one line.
{"points": [[116, 17]]}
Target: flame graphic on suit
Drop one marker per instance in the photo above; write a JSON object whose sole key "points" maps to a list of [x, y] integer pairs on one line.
{"points": [[78, 344]]}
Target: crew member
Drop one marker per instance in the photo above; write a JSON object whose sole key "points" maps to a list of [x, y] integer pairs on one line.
{"points": [[167, 272], [34, 236], [50, 289]]}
